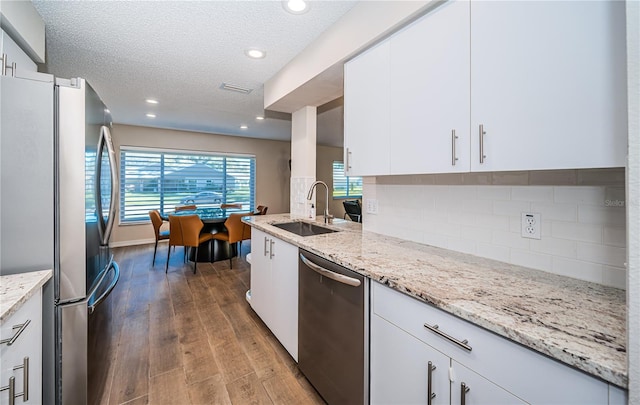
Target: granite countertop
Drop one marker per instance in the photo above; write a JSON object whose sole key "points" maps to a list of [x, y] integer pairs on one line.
{"points": [[16, 289], [579, 323]]}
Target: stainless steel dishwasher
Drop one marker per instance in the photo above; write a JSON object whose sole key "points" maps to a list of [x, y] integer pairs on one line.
{"points": [[333, 330]]}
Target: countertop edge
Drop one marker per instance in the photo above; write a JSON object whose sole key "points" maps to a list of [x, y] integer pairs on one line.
{"points": [[18, 289], [556, 352]]}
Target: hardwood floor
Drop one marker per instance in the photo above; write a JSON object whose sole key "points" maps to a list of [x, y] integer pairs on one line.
{"points": [[185, 338]]}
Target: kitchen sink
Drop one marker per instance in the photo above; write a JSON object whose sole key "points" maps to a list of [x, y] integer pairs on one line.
{"points": [[304, 228]]}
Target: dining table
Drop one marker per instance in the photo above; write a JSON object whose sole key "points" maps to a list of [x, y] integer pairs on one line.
{"points": [[213, 219]]}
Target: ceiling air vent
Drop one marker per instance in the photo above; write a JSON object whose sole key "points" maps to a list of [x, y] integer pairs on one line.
{"points": [[236, 88]]}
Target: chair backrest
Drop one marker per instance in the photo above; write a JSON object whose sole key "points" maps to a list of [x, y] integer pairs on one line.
{"points": [[156, 221], [184, 230], [262, 209], [186, 208], [353, 209], [235, 226], [231, 205]]}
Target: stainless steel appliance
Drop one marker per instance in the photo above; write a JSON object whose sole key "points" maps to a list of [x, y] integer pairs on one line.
{"points": [[333, 330], [58, 196]]}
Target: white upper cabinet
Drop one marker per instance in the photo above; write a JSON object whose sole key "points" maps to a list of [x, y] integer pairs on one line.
{"points": [[525, 85], [430, 93], [548, 84], [366, 113]]}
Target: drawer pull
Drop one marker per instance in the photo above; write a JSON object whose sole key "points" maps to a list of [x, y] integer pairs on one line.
{"points": [[435, 329], [12, 390], [12, 339], [463, 393], [430, 394], [25, 379]]}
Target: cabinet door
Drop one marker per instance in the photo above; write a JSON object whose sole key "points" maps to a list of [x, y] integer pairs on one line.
{"points": [[366, 113], [399, 367], [284, 287], [430, 93], [548, 84], [480, 390], [261, 276]]}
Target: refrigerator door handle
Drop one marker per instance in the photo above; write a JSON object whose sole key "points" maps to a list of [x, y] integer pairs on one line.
{"points": [[105, 229], [93, 303]]}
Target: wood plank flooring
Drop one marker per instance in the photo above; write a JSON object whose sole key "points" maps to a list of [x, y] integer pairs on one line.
{"points": [[185, 338]]}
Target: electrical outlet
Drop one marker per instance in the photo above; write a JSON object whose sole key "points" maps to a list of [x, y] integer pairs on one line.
{"points": [[531, 224], [372, 206]]}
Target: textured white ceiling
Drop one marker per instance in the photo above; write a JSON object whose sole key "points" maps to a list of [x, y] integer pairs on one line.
{"points": [[180, 52]]}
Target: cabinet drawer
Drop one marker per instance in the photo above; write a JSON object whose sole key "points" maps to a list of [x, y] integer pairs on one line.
{"points": [[504, 362]]}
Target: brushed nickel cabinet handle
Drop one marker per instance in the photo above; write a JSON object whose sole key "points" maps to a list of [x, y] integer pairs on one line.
{"points": [[25, 379], [12, 390], [430, 393], [463, 393], [266, 241], [482, 134], [21, 328], [271, 254], [453, 147], [436, 329]]}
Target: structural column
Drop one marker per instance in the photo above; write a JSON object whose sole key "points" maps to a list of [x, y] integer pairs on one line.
{"points": [[303, 160]]}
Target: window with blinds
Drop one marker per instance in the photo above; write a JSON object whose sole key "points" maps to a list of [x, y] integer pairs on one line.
{"points": [[162, 180], [344, 186]]}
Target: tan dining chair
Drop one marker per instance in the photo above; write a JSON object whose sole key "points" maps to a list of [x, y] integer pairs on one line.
{"points": [[261, 210], [184, 230], [234, 232], [185, 208], [231, 205], [156, 221]]}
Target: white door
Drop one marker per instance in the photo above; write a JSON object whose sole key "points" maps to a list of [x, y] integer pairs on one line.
{"points": [[284, 279], [366, 113], [399, 366], [548, 84], [261, 275], [479, 390], [430, 93]]}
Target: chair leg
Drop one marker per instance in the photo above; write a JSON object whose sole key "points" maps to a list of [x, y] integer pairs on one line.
{"points": [[166, 269], [155, 249], [195, 261]]}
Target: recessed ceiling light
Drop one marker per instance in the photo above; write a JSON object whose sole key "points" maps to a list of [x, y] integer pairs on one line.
{"points": [[255, 53], [260, 117], [151, 101], [296, 6], [151, 115], [243, 127]]}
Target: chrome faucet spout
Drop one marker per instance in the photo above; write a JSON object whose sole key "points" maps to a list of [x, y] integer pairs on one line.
{"points": [[326, 215]]}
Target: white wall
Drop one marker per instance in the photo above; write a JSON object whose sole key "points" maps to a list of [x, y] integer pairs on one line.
{"points": [[583, 221]]}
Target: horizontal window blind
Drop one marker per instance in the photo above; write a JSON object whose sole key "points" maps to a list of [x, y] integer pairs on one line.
{"points": [[345, 186], [163, 180]]}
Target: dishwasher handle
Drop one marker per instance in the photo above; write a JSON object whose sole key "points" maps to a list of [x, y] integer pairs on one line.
{"points": [[354, 282]]}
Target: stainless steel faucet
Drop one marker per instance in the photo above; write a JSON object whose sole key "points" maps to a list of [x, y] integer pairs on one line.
{"points": [[327, 217]]}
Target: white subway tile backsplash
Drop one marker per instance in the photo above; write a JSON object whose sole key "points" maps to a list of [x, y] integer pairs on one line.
{"points": [[531, 259], [513, 208], [556, 212], [579, 195], [532, 193], [581, 236], [615, 236], [612, 216], [609, 255], [578, 269], [576, 231]]}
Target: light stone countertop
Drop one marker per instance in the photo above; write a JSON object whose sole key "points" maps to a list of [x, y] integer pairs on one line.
{"points": [[16, 289], [579, 323]]}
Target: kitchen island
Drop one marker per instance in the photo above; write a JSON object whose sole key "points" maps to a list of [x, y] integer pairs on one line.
{"points": [[578, 323]]}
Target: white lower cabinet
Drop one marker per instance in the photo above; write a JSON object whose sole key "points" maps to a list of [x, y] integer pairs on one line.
{"points": [[274, 287], [496, 370], [22, 359]]}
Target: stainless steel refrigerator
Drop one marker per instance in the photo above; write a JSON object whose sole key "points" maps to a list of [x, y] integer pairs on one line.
{"points": [[58, 194]]}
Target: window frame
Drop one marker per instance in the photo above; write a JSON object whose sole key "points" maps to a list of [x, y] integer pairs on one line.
{"points": [[168, 206], [346, 182]]}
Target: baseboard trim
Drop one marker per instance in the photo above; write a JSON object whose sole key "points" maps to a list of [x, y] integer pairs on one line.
{"points": [[133, 242]]}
